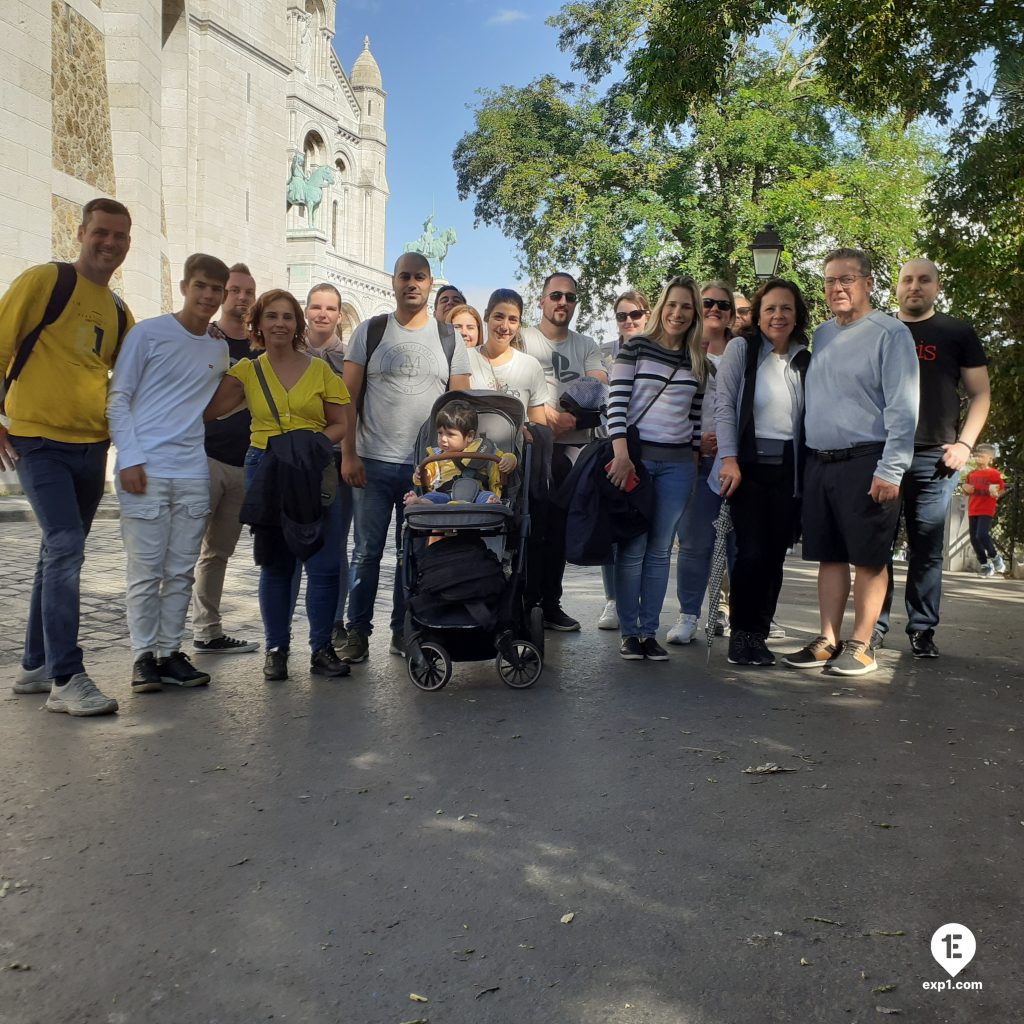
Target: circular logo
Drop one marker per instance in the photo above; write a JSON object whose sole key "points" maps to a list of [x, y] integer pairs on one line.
{"points": [[409, 368]]}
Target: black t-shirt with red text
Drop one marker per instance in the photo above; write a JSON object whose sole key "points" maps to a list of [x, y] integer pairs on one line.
{"points": [[945, 346]]}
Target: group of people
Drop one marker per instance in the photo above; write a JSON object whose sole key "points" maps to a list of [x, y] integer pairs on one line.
{"points": [[262, 416]]}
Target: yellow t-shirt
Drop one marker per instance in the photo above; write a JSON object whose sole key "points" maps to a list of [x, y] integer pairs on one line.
{"points": [[62, 391], [301, 408]]}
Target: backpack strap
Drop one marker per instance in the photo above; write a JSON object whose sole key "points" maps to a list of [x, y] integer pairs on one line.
{"points": [[374, 335], [447, 335], [67, 278], [122, 324]]}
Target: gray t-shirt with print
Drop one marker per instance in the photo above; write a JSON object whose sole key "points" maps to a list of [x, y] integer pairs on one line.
{"points": [[521, 377], [563, 362], [408, 372]]}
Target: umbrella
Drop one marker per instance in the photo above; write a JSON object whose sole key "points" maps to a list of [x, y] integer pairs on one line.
{"points": [[723, 527]]}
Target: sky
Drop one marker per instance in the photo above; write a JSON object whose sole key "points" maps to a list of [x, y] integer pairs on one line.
{"points": [[432, 66]]}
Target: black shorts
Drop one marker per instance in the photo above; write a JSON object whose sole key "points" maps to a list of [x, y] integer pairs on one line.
{"points": [[841, 522]]}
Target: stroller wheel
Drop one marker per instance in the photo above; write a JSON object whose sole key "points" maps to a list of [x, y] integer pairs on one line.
{"points": [[536, 628], [432, 670], [523, 668]]}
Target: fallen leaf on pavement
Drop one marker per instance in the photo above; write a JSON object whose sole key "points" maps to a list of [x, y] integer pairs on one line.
{"points": [[566, 918], [888, 934], [879, 989], [239, 863], [418, 999], [883, 824], [18, 967], [887, 1009], [769, 768], [484, 991], [804, 963], [825, 920]]}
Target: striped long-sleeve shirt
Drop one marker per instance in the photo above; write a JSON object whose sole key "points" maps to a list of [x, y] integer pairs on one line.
{"points": [[670, 431]]}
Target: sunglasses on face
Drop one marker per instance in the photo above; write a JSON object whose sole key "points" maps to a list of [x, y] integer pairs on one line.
{"points": [[743, 311], [569, 297], [634, 315], [723, 304]]}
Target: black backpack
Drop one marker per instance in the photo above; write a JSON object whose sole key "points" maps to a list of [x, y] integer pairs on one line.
{"points": [[458, 570]]}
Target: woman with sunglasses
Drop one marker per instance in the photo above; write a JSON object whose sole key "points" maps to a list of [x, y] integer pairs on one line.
{"points": [[759, 418], [631, 313], [656, 388], [696, 528]]}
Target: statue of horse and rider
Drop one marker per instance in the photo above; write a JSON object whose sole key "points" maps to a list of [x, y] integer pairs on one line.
{"points": [[308, 190], [433, 244]]}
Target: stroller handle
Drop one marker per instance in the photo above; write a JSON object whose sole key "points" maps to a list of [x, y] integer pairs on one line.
{"points": [[445, 456]]}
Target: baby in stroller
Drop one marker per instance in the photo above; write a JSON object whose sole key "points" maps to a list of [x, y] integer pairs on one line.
{"points": [[462, 480]]}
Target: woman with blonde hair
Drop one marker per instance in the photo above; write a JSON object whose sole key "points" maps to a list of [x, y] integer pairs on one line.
{"points": [[656, 391], [466, 320]]}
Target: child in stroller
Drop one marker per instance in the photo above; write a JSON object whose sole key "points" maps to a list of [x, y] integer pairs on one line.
{"points": [[466, 595]]}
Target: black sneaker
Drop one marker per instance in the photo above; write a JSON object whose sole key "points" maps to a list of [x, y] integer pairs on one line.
{"points": [[145, 675], [739, 648], [397, 644], [177, 670], [225, 645], [275, 665], [326, 663], [757, 650], [922, 643], [555, 618], [356, 647], [877, 641], [653, 651], [630, 648]]}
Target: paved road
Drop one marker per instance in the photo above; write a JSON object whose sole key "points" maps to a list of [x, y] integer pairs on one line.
{"points": [[318, 850]]}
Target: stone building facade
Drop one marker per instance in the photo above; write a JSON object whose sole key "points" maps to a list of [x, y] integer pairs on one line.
{"points": [[192, 113]]}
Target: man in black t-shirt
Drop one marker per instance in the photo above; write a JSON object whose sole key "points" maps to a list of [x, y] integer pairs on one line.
{"points": [[227, 441], [949, 355]]}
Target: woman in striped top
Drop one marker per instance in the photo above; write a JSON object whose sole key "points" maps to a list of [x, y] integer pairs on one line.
{"points": [[656, 386]]}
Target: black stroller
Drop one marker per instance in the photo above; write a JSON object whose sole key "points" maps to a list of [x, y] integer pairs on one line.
{"points": [[465, 592]]}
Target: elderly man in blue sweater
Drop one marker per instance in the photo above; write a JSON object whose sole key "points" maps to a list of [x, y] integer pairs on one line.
{"points": [[861, 400]]}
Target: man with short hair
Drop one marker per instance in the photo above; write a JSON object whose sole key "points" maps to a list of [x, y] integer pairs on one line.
{"points": [[861, 398], [57, 438], [227, 441], [566, 356], [949, 355], [744, 313], [396, 367], [446, 299], [165, 378]]}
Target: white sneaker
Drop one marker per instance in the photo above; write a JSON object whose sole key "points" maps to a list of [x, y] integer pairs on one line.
{"points": [[776, 632], [80, 697], [609, 617], [998, 564], [683, 631], [33, 680], [986, 570]]}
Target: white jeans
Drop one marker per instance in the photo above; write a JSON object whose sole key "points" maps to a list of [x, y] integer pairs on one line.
{"points": [[162, 532]]}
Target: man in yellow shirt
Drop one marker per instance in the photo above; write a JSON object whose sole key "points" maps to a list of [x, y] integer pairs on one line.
{"points": [[55, 434]]}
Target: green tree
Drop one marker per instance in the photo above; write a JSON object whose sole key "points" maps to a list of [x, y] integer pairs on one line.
{"points": [[579, 181]]}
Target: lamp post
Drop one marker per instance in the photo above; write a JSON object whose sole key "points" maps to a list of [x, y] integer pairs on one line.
{"points": [[766, 250]]}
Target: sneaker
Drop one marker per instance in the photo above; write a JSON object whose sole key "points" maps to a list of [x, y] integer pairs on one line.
{"points": [[854, 659], [922, 644], [817, 653], [776, 632], [326, 663], [555, 618], [877, 641], [338, 636], [652, 650], [145, 675], [275, 665], [609, 618], [356, 647], [630, 649], [986, 570], [397, 645], [225, 645], [683, 631], [80, 697], [749, 649], [33, 680], [178, 670], [721, 624], [998, 565]]}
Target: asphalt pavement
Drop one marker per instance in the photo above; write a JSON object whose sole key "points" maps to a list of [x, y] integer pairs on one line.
{"points": [[591, 850]]}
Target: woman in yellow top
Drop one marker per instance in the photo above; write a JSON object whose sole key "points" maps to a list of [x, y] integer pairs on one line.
{"points": [[308, 395]]}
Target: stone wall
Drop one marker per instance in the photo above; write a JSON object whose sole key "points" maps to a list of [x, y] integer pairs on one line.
{"points": [[66, 218]]}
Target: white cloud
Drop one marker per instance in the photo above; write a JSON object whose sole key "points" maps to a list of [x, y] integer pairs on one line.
{"points": [[507, 16]]}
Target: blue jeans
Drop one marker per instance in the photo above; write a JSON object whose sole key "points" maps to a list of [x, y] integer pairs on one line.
{"points": [[642, 564], [697, 543], [346, 505], [63, 483], [277, 592], [387, 483], [925, 505]]}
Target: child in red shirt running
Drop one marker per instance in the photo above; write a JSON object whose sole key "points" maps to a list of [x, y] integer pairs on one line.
{"points": [[986, 486]]}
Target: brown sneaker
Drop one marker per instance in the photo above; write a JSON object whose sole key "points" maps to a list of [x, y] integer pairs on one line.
{"points": [[854, 659], [818, 653]]}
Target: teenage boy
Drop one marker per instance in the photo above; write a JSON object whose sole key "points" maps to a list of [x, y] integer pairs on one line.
{"points": [[227, 441], [57, 438], [167, 373]]}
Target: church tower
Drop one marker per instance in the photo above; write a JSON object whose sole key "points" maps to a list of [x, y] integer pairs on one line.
{"points": [[368, 89]]}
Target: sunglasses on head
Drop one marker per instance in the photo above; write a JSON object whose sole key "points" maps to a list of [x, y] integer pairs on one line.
{"points": [[569, 297], [633, 314], [723, 304]]}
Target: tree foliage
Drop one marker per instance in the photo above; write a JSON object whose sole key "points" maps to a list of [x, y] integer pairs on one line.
{"points": [[579, 181]]}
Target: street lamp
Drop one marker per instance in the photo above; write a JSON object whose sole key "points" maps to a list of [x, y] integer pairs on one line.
{"points": [[766, 250]]}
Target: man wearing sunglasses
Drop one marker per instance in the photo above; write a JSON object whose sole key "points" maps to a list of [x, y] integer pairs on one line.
{"points": [[566, 356]]}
